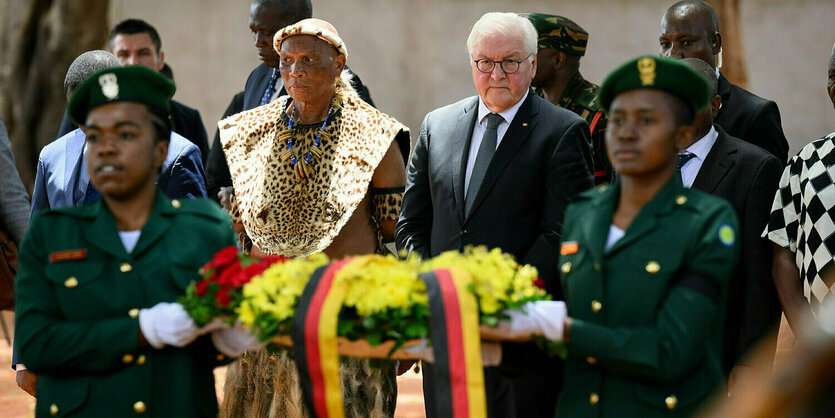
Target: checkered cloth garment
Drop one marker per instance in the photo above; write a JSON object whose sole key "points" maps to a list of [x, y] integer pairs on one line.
{"points": [[803, 217]]}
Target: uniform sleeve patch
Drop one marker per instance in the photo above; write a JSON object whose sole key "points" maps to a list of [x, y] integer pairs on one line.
{"points": [[727, 235]]}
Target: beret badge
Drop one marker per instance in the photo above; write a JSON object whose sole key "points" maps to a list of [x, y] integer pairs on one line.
{"points": [[646, 71], [109, 85]]}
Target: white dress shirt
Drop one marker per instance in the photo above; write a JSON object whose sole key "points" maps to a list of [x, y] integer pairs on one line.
{"points": [[700, 149], [481, 126]]}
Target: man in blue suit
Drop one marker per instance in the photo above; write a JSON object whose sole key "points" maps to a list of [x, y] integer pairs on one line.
{"points": [[61, 178]]}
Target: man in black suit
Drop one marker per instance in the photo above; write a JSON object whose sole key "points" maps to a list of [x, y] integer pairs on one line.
{"points": [[498, 169], [747, 176], [266, 17], [135, 42], [690, 29]]}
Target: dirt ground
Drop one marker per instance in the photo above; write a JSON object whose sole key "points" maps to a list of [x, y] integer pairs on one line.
{"points": [[15, 403]]}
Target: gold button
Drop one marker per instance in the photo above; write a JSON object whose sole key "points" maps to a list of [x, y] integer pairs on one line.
{"points": [[594, 398], [591, 360], [140, 360], [596, 266], [220, 357], [602, 188], [671, 401], [596, 306], [53, 409], [139, 407], [176, 204], [125, 267], [566, 267], [71, 282], [681, 199], [653, 267], [133, 313], [127, 358]]}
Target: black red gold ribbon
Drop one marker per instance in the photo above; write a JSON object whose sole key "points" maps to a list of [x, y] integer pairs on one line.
{"points": [[456, 344], [314, 341]]}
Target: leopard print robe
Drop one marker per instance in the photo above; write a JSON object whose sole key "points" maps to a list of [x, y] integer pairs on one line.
{"points": [[288, 217]]}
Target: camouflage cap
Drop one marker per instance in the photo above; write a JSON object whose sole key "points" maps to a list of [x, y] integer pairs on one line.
{"points": [[122, 84], [667, 74], [559, 33]]}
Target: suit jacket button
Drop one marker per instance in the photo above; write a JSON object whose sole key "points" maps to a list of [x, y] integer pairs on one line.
{"points": [[53, 409], [176, 204], [139, 407], [594, 398], [653, 267], [671, 401], [71, 282], [596, 306], [127, 359], [133, 313], [681, 199], [566, 267], [125, 267], [141, 359]]}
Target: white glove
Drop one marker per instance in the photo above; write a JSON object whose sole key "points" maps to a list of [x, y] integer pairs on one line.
{"points": [[491, 353], [235, 341], [546, 318], [167, 324]]}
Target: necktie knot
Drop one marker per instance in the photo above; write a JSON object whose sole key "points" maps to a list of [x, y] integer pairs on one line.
{"points": [[494, 120], [268, 93], [683, 158]]}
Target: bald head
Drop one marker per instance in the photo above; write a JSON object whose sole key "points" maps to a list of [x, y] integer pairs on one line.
{"points": [[690, 29]]}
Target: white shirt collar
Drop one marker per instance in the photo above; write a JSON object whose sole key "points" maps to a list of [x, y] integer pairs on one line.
{"points": [[702, 147], [507, 114]]}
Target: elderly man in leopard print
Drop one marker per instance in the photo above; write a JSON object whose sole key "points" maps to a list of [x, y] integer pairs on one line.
{"points": [[316, 171]]}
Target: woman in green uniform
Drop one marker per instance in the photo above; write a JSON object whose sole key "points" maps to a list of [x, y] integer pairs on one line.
{"points": [[95, 315], [644, 262]]}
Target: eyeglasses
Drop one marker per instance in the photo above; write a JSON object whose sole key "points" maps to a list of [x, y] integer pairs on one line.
{"points": [[486, 65]]}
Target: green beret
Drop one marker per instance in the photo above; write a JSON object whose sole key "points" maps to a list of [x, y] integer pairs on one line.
{"points": [[667, 74], [559, 33], [122, 84]]}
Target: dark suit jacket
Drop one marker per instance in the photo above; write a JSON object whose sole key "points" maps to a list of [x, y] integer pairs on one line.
{"points": [[751, 118], [747, 176], [543, 160], [184, 121], [217, 169]]}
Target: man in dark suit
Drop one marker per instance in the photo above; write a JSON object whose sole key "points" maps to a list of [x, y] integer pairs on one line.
{"points": [[747, 176], [135, 42], [690, 29], [266, 17], [498, 169]]}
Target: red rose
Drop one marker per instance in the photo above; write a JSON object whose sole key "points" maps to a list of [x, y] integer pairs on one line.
{"points": [[226, 277], [244, 276], [201, 288], [222, 258], [222, 298], [539, 283]]}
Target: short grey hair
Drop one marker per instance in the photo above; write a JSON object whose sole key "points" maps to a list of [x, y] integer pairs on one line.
{"points": [[708, 72], [86, 65], [508, 24]]}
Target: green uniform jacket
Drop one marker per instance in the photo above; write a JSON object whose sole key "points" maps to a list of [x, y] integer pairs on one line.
{"points": [[580, 97], [78, 297], [646, 336]]}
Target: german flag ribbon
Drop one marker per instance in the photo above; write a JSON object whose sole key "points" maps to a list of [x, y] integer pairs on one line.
{"points": [[456, 344], [314, 341]]}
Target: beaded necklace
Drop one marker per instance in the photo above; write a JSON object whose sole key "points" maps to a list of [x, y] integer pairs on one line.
{"points": [[302, 168]]}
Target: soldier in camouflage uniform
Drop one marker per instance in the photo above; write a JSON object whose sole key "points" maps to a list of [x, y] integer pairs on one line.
{"points": [[561, 43]]}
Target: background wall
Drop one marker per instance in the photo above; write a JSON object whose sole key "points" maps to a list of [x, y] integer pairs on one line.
{"points": [[411, 53]]}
